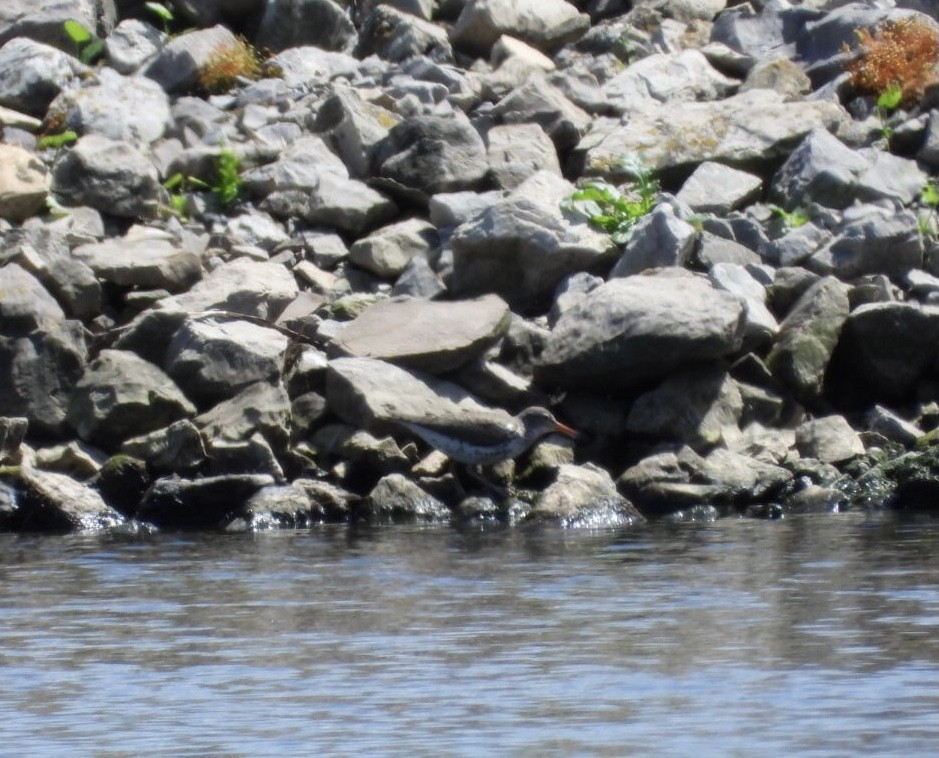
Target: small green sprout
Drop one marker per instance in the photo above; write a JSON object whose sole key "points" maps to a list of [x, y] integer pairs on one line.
{"points": [[227, 187], [163, 13], [55, 141], [610, 208], [929, 196], [87, 46], [887, 102], [791, 219]]}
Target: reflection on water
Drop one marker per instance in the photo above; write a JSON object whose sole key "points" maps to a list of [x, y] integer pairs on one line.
{"points": [[807, 636]]}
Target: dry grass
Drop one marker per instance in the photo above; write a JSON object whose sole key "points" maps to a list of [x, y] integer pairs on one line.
{"points": [[228, 64], [898, 53]]}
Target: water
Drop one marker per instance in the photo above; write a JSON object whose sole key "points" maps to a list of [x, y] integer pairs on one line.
{"points": [[813, 636]]}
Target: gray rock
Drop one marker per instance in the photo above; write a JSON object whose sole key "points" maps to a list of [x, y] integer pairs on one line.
{"points": [[427, 336], [546, 24], [658, 239], [734, 278], [299, 166], [423, 9], [54, 502], [693, 406], [12, 433], [38, 372], [123, 108], [208, 503], [661, 484], [121, 395], [638, 329], [517, 151], [368, 393], [145, 260], [293, 23], [396, 35], [753, 126], [256, 230], [888, 347], [248, 456], [132, 45], [780, 74], [712, 249], [72, 283], [352, 127], [396, 498], [449, 209], [540, 102], [177, 66], [25, 305], [32, 74], [387, 251], [523, 246], [796, 246], [741, 478], [24, 183], [211, 361], [261, 408], [824, 170], [872, 241], [348, 205], [111, 176], [418, 280], [43, 21], [428, 154], [666, 77], [583, 497], [808, 335], [830, 439], [175, 448], [76, 458], [719, 189]]}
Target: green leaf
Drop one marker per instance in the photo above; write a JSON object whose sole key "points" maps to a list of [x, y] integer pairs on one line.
{"points": [[890, 98], [930, 195], [56, 140], [175, 181], [160, 11], [78, 33], [92, 51]]}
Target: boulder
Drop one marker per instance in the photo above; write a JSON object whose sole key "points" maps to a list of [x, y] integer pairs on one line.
{"points": [[395, 498], [638, 329], [521, 247], [546, 24], [52, 502], [658, 239], [177, 66], [351, 126], [12, 433], [719, 189], [757, 126], [132, 45], [145, 260], [175, 448], [25, 305], [208, 503], [260, 408], [429, 154], [32, 74], [214, 360], [294, 23], [807, 337], [111, 176], [120, 395], [388, 250], [583, 497], [24, 183], [435, 337], [537, 101], [830, 440], [517, 151], [396, 35], [347, 205]]}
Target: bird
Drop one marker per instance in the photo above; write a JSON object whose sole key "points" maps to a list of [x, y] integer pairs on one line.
{"points": [[483, 444]]}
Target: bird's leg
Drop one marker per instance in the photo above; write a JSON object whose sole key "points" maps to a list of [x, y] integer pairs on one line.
{"points": [[475, 473]]}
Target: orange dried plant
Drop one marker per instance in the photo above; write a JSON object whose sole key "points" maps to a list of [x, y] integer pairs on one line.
{"points": [[900, 54], [229, 63]]}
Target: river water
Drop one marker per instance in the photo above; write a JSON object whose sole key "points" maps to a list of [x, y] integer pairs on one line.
{"points": [[811, 636]]}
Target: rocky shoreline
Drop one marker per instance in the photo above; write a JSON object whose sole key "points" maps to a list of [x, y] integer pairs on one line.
{"points": [[219, 311]]}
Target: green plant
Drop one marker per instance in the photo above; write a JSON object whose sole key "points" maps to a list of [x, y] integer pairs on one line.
{"points": [[227, 186], [61, 139], [163, 13], [929, 196], [887, 102], [229, 63], [612, 209], [88, 47], [791, 219]]}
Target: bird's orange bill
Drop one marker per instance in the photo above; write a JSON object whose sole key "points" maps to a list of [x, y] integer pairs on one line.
{"points": [[566, 430]]}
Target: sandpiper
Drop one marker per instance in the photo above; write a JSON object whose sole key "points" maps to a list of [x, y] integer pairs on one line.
{"points": [[479, 444]]}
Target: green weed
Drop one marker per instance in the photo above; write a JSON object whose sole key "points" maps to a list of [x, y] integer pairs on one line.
{"points": [[88, 48], [612, 209], [227, 187], [55, 141], [163, 13], [791, 219]]}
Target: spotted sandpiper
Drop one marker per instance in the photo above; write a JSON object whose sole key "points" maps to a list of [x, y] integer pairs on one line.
{"points": [[482, 444]]}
